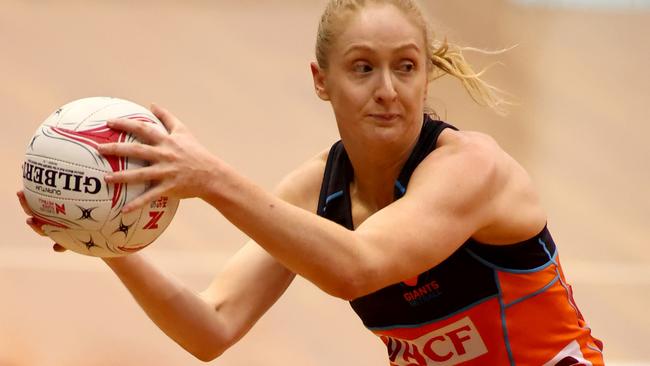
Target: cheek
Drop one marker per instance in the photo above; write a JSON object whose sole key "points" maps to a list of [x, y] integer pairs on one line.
{"points": [[423, 88], [415, 93], [349, 97]]}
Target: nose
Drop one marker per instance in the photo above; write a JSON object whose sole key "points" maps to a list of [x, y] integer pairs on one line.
{"points": [[385, 90]]}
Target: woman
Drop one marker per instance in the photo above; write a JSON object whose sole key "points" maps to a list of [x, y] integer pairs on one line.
{"points": [[395, 217]]}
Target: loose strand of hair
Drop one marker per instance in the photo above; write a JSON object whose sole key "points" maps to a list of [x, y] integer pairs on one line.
{"points": [[450, 60]]}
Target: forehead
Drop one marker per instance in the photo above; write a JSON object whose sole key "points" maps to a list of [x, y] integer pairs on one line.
{"points": [[379, 26]]}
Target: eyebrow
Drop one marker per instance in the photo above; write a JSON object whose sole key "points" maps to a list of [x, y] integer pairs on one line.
{"points": [[365, 47]]}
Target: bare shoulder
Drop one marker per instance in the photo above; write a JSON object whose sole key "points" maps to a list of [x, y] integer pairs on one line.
{"points": [[480, 151], [470, 143], [301, 187], [513, 204], [465, 154]]}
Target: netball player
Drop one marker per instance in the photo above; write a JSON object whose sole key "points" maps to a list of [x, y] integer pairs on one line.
{"points": [[436, 236]]}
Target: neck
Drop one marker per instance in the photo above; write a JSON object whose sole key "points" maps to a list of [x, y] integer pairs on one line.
{"points": [[376, 168]]}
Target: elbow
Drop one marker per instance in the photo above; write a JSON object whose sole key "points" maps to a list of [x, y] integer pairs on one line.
{"points": [[211, 348], [344, 293], [355, 275], [207, 356], [207, 353], [352, 284], [211, 337]]}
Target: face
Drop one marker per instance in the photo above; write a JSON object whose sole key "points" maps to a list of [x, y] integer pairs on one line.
{"points": [[376, 79]]}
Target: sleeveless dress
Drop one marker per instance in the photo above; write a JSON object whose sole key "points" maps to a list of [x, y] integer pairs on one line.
{"points": [[484, 305]]}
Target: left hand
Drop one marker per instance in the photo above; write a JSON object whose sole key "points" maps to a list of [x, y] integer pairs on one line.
{"points": [[180, 165]]}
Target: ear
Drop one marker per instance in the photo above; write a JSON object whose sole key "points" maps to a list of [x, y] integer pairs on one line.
{"points": [[319, 81]]}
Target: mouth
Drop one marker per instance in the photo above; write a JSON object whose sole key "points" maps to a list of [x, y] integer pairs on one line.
{"points": [[386, 117]]}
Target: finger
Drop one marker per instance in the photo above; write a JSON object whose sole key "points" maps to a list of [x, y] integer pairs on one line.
{"points": [[140, 175], [133, 150], [148, 196], [168, 120], [36, 225], [145, 132], [23, 203], [58, 248]]}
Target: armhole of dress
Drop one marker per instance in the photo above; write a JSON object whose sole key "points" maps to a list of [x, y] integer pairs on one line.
{"points": [[326, 179], [542, 245], [438, 128], [427, 143]]}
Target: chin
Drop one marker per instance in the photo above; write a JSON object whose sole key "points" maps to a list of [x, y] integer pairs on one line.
{"points": [[388, 132]]}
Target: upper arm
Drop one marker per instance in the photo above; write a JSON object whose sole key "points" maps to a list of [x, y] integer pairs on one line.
{"points": [[449, 198], [252, 280]]}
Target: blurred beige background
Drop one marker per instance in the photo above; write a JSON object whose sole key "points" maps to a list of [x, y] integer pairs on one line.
{"points": [[237, 73]]}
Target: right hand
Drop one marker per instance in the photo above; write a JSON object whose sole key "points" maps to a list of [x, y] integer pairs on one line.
{"points": [[34, 222], [178, 164]]}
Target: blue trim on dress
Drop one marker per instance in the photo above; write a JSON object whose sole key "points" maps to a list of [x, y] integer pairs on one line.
{"points": [[524, 298], [435, 320], [543, 244], [333, 196], [504, 327], [399, 186], [568, 295], [564, 285], [510, 270]]}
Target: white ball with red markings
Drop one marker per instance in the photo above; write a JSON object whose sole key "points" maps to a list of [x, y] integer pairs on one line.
{"points": [[63, 180]]}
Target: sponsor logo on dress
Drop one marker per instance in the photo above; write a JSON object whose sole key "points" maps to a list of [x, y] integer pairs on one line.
{"points": [[450, 345], [417, 295]]}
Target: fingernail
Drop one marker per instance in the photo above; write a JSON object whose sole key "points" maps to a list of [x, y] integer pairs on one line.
{"points": [[108, 178], [110, 123]]}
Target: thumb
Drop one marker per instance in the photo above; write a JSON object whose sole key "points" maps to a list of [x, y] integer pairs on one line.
{"points": [[58, 248]]}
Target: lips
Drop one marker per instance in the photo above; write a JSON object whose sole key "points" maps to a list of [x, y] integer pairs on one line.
{"points": [[385, 116]]}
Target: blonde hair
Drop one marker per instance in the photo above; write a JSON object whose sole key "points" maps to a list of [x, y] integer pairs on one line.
{"points": [[444, 58]]}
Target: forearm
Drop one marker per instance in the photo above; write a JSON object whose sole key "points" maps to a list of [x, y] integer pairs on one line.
{"points": [[322, 251], [182, 314]]}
